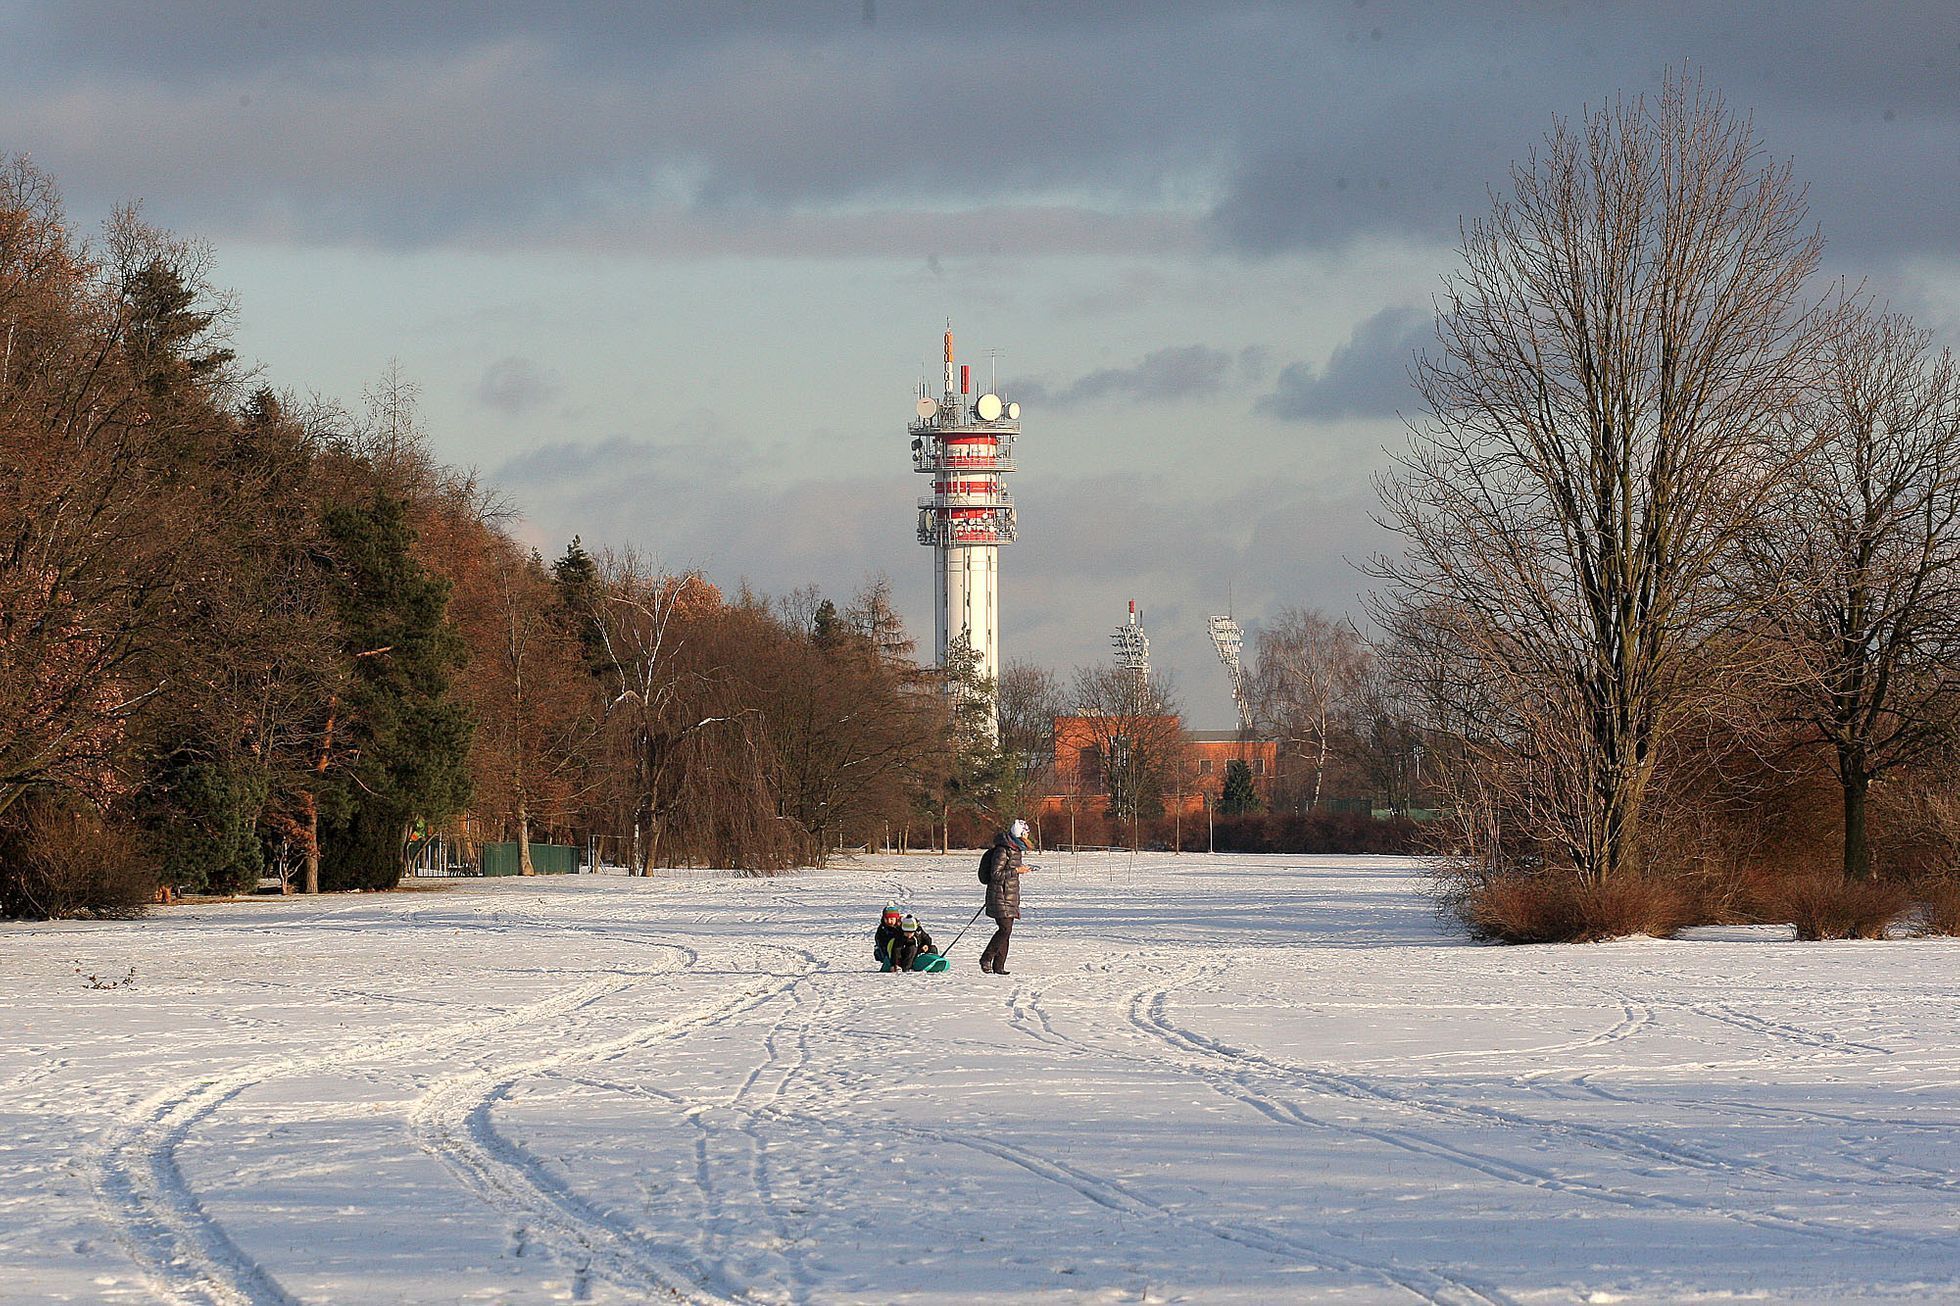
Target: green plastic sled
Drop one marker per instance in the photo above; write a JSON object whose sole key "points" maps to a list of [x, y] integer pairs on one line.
{"points": [[929, 962]]}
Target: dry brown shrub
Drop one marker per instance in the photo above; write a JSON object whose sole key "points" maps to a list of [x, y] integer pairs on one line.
{"points": [[57, 863], [1939, 904], [1563, 909], [1828, 905]]}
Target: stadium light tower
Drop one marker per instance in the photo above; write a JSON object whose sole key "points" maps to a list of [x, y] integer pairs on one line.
{"points": [[1229, 640], [1133, 647]]}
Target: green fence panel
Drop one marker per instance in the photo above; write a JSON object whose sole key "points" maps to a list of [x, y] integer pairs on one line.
{"points": [[546, 859]]}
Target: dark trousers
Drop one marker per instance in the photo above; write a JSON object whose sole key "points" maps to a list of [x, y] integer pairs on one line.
{"points": [[995, 956], [904, 953]]}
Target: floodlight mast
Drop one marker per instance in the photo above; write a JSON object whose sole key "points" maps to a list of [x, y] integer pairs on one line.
{"points": [[1133, 647], [1229, 639]]}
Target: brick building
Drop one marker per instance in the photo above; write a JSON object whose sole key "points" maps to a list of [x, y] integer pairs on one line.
{"points": [[1186, 768]]}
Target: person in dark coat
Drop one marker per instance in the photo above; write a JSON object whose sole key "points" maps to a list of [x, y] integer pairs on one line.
{"points": [[912, 943], [888, 934], [1001, 867]]}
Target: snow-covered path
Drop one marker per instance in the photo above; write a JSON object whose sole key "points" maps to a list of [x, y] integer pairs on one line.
{"points": [[1208, 1079]]}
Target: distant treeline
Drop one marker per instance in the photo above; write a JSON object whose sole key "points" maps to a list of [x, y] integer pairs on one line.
{"points": [[245, 633]]}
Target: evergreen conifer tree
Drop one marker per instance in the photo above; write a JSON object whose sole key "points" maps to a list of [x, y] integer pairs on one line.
{"points": [[1239, 794], [579, 592], [405, 741]]}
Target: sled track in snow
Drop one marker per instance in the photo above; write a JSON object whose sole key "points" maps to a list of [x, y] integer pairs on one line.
{"points": [[1885, 1172], [1114, 1195], [1237, 1073], [764, 1181], [162, 1221], [724, 1217], [1027, 1014], [1782, 1031], [453, 1121]]}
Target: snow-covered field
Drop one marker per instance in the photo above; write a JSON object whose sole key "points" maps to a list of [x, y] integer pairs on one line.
{"points": [[1207, 1079]]}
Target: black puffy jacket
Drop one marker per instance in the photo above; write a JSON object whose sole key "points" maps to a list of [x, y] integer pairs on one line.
{"points": [[1000, 866], [881, 944]]}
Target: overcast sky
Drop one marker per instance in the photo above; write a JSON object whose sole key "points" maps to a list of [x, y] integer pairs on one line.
{"points": [[667, 274]]}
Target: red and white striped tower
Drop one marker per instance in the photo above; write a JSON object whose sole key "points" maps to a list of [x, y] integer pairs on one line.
{"points": [[966, 444]]}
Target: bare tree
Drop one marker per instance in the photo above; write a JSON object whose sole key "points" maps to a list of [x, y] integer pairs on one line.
{"points": [[1863, 556], [1307, 674], [1026, 705], [1628, 326], [525, 688], [1137, 732], [654, 690], [1384, 724], [862, 735], [99, 534]]}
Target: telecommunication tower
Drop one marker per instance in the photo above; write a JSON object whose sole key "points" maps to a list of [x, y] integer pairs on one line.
{"points": [[1133, 647], [1229, 640], [967, 446]]}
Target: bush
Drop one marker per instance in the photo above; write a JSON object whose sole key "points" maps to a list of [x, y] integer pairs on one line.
{"points": [[364, 852], [1561, 908], [1828, 905], [1939, 904], [58, 862], [1305, 832], [202, 822]]}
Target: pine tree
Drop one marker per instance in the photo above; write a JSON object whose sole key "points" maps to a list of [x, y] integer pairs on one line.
{"points": [[579, 593], [827, 629], [202, 818], [404, 741], [167, 333], [977, 760], [1239, 794]]}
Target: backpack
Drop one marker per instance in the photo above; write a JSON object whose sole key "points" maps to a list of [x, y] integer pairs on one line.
{"points": [[986, 876]]}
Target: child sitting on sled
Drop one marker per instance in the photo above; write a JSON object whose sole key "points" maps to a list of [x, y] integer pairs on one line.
{"points": [[902, 943]]}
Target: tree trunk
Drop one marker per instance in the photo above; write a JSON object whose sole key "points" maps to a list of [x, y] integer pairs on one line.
{"points": [[1857, 850], [1319, 769], [310, 882], [524, 866]]}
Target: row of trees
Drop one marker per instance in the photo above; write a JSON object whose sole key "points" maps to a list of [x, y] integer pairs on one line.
{"points": [[213, 632], [244, 632], [1680, 526]]}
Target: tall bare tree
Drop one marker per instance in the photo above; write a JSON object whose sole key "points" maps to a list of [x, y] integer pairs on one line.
{"points": [[1307, 673], [99, 531], [655, 700], [1138, 734], [1863, 557], [1628, 326], [1026, 705], [862, 735]]}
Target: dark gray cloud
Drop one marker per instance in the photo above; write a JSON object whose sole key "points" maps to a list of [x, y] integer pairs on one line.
{"points": [[1181, 372], [1367, 376], [1275, 126], [515, 386]]}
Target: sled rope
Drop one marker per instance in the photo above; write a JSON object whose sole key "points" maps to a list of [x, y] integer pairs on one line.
{"points": [[963, 929]]}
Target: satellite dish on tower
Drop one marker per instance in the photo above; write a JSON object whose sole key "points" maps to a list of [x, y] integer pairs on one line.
{"points": [[925, 407], [1014, 412], [988, 406]]}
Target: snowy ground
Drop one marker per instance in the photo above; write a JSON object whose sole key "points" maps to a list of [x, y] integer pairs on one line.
{"points": [[1207, 1079]]}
